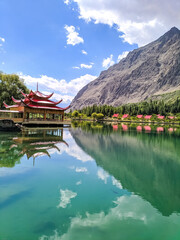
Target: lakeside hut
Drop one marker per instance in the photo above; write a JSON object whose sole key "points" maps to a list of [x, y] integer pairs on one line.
{"points": [[115, 115], [139, 116], [160, 117], [125, 116], [148, 117], [35, 106]]}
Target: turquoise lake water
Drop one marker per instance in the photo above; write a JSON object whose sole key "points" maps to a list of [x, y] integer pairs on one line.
{"points": [[91, 181]]}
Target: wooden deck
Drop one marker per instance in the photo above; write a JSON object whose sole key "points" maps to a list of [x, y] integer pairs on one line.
{"points": [[40, 122], [47, 123], [16, 120]]}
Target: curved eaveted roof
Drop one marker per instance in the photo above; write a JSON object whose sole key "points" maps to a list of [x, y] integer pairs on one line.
{"points": [[46, 107], [36, 99], [12, 106], [40, 95], [15, 100], [45, 102]]}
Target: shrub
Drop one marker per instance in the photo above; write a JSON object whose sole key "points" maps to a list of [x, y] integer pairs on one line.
{"points": [[75, 114], [99, 116]]}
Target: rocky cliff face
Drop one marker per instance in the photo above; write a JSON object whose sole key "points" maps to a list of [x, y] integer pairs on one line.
{"points": [[146, 71]]}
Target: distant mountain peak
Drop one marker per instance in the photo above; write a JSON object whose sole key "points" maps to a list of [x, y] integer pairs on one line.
{"points": [[146, 71], [174, 29], [173, 32]]}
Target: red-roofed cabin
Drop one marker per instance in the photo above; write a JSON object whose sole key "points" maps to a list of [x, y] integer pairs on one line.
{"points": [[148, 116], [139, 116], [171, 117], [36, 106], [160, 117], [125, 116], [115, 115]]}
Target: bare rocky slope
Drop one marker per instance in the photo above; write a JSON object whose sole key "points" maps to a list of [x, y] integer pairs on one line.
{"points": [[147, 71]]}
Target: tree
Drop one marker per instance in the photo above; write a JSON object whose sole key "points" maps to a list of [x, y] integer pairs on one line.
{"points": [[75, 114], [10, 85], [94, 115], [99, 116]]}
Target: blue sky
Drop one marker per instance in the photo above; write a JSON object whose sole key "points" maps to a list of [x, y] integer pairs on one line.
{"points": [[66, 44]]}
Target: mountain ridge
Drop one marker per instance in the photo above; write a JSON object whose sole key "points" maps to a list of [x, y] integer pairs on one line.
{"points": [[153, 69]]}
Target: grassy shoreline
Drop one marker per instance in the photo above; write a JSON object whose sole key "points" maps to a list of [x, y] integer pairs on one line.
{"points": [[128, 121]]}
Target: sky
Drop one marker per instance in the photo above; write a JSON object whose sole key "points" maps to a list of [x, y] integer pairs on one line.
{"points": [[65, 44]]}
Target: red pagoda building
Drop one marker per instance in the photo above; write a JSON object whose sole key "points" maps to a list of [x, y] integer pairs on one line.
{"points": [[36, 106]]}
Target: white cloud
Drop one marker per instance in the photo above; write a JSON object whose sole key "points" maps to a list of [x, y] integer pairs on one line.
{"points": [[84, 52], [63, 89], [86, 66], [107, 62], [123, 55], [76, 67], [3, 63], [65, 198], [81, 169], [56, 96], [78, 183], [140, 21], [73, 37], [128, 211], [116, 183], [103, 175], [66, 2], [73, 150], [82, 65], [2, 39]]}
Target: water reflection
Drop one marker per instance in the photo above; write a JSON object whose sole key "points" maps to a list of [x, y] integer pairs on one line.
{"points": [[145, 164], [32, 143], [74, 197]]}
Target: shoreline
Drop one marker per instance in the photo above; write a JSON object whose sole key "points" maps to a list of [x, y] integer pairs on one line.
{"points": [[127, 121]]}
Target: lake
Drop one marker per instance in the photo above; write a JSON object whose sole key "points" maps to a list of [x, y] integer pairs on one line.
{"points": [[91, 181]]}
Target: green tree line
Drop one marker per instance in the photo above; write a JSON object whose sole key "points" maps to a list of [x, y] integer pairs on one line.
{"points": [[144, 108]]}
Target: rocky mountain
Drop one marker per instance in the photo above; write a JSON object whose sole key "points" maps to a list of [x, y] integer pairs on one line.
{"points": [[147, 71]]}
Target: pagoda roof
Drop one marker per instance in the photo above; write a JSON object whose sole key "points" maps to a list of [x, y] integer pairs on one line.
{"points": [[39, 95], [10, 106], [42, 101], [23, 93], [34, 100], [36, 106], [47, 107], [38, 100], [15, 100]]}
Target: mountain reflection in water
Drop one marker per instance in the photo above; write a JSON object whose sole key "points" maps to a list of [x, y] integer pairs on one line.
{"points": [[145, 164], [107, 183]]}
